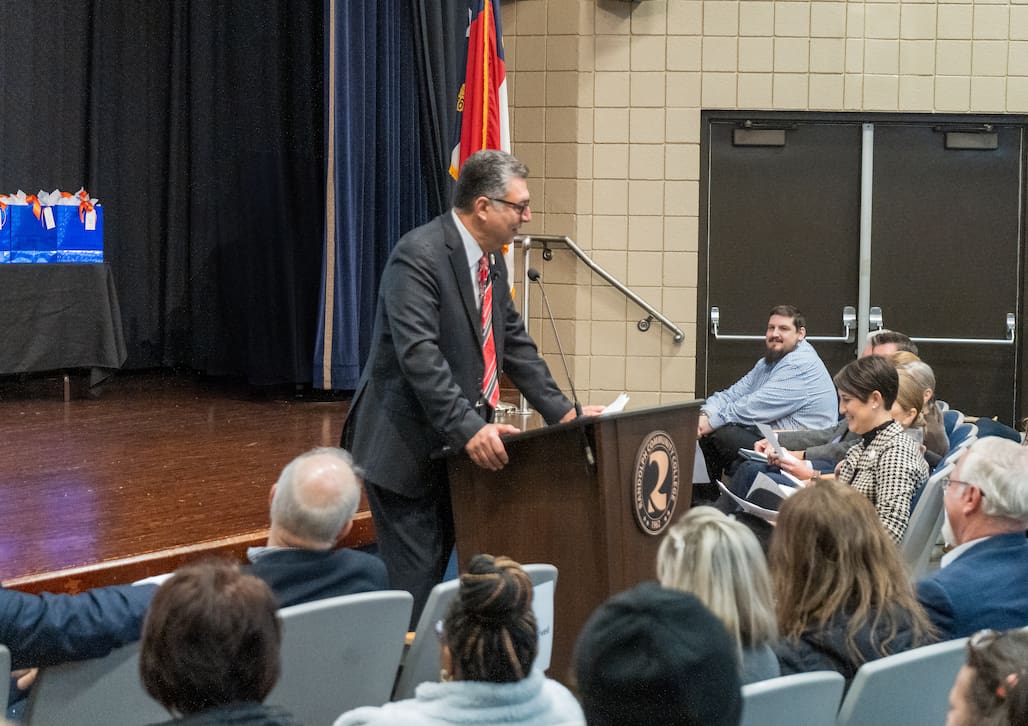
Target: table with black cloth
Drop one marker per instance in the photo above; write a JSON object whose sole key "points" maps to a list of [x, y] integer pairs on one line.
{"points": [[59, 317]]}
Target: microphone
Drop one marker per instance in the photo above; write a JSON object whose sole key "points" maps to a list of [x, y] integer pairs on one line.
{"points": [[534, 276]]}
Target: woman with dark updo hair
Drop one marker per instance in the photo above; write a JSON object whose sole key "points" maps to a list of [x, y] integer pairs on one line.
{"points": [[488, 644]]}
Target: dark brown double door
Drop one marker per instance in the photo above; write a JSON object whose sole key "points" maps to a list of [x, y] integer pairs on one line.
{"points": [[918, 224]]}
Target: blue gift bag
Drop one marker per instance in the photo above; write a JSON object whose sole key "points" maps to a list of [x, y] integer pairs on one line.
{"points": [[73, 235], [29, 235], [5, 235]]}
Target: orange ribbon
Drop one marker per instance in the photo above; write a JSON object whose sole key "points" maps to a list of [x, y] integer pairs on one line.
{"points": [[84, 206], [37, 208]]}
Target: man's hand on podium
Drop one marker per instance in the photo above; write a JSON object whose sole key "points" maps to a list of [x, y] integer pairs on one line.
{"points": [[586, 411], [485, 447]]}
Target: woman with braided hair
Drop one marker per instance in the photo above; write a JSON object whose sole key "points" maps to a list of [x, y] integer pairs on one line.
{"points": [[488, 643]]}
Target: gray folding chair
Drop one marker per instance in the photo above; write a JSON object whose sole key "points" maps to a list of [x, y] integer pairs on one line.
{"points": [[94, 692], [924, 525], [909, 688], [340, 653], [811, 699], [5, 667], [421, 663]]}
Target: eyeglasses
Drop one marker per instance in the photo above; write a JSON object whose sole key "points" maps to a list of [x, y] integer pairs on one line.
{"points": [[947, 480], [519, 208]]}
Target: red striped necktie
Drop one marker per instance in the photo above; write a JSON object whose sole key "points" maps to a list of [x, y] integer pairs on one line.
{"points": [[490, 383]]}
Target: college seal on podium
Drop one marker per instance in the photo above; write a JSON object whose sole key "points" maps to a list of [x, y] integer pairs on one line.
{"points": [[655, 483]]}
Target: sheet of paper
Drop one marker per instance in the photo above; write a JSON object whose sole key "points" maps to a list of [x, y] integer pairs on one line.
{"points": [[768, 515], [617, 405], [772, 438]]}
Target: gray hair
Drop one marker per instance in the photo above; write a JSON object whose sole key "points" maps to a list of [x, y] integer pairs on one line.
{"points": [[719, 561], [921, 372], [999, 468], [486, 173], [319, 522]]}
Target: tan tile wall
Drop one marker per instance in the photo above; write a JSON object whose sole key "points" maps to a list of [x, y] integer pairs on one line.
{"points": [[606, 98]]}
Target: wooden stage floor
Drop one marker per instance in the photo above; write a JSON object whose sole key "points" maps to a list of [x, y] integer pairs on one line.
{"points": [[159, 469]]}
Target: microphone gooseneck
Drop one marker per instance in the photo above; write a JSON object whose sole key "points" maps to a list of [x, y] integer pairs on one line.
{"points": [[534, 276]]}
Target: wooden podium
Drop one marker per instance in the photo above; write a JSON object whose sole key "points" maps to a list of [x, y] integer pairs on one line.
{"points": [[549, 504]]}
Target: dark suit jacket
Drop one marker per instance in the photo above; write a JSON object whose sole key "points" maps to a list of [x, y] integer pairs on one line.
{"points": [[985, 587], [424, 370], [298, 575], [43, 630]]}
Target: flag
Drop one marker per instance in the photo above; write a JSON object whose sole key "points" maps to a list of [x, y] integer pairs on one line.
{"points": [[483, 118]]}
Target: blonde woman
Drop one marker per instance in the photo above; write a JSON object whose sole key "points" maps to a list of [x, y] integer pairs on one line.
{"points": [[718, 560]]}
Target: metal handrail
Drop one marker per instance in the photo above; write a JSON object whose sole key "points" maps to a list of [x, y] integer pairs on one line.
{"points": [[849, 320], [652, 313]]}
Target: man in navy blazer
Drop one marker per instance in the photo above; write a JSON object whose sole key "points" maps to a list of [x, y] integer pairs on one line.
{"points": [[421, 390], [983, 582], [312, 508], [47, 629]]}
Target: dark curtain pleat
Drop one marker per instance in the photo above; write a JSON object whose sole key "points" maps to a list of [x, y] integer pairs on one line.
{"points": [[199, 125], [439, 52], [377, 170]]}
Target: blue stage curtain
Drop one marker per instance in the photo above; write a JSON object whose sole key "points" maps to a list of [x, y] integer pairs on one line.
{"points": [[375, 188]]}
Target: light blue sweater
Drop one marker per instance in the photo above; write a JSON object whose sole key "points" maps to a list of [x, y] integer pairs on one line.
{"points": [[536, 700]]}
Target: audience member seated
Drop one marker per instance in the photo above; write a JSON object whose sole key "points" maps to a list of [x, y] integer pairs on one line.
{"points": [[312, 508], [489, 643], [983, 582], [656, 656], [935, 438], [719, 560], [887, 342], [210, 650], [47, 629], [886, 465], [906, 410], [992, 688], [842, 593], [789, 388]]}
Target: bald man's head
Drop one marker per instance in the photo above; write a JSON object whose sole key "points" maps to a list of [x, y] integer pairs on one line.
{"points": [[314, 499]]}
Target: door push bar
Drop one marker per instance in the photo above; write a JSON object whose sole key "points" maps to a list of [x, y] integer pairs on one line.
{"points": [[876, 323], [849, 322]]}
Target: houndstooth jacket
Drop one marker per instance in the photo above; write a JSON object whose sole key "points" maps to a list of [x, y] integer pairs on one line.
{"points": [[887, 471]]}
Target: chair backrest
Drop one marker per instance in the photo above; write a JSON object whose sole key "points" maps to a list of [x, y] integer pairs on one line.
{"points": [[811, 699], [910, 688], [951, 418], [925, 524], [5, 667], [963, 435], [93, 692], [544, 587], [340, 653], [421, 663]]}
